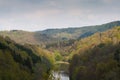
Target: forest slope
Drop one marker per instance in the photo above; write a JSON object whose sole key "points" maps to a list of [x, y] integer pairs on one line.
{"points": [[80, 32], [28, 62], [97, 57]]}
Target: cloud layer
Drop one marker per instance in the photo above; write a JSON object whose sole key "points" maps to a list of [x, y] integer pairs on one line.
{"points": [[42, 14]]}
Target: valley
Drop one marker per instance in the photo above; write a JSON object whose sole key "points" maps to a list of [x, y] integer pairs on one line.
{"points": [[91, 52], [59, 40]]}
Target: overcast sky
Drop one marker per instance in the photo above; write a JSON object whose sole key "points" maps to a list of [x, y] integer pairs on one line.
{"points": [[37, 15]]}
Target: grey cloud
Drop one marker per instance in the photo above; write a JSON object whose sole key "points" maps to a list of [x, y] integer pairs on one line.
{"points": [[32, 5], [48, 11]]}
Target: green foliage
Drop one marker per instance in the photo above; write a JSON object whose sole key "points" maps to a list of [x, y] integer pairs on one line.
{"points": [[97, 57], [18, 62], [57, 56]]}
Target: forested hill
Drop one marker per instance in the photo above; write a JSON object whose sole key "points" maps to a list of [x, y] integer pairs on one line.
{"points": [[75, 33], [97, 57], [26, 37], [28, 62], [55, 35]]}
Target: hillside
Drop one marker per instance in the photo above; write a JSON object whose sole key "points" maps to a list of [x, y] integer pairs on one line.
{"points": [[20, 36], [50, 36], [97, 57], [75, 33], [66, 47], [28, 62], [25, 37]]}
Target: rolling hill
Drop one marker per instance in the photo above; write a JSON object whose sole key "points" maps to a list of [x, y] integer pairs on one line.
{"points": [[81, 32], [56, 35], [25, 37]]}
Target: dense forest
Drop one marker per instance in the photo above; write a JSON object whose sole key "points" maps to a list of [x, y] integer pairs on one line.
{"points": [[97, 57], [23, 62]]}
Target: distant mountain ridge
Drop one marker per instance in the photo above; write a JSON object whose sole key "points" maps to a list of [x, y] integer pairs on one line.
{"points": [[56, 35], [73, 33]]}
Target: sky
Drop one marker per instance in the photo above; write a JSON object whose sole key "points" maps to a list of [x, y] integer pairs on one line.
{"points": [[34, 15]]}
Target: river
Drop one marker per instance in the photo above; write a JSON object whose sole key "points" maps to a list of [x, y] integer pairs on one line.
{"points": [[61, 71], [60, 76]]}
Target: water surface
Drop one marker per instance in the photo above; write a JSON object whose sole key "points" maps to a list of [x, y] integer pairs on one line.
{"points": [[60, 76]]}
